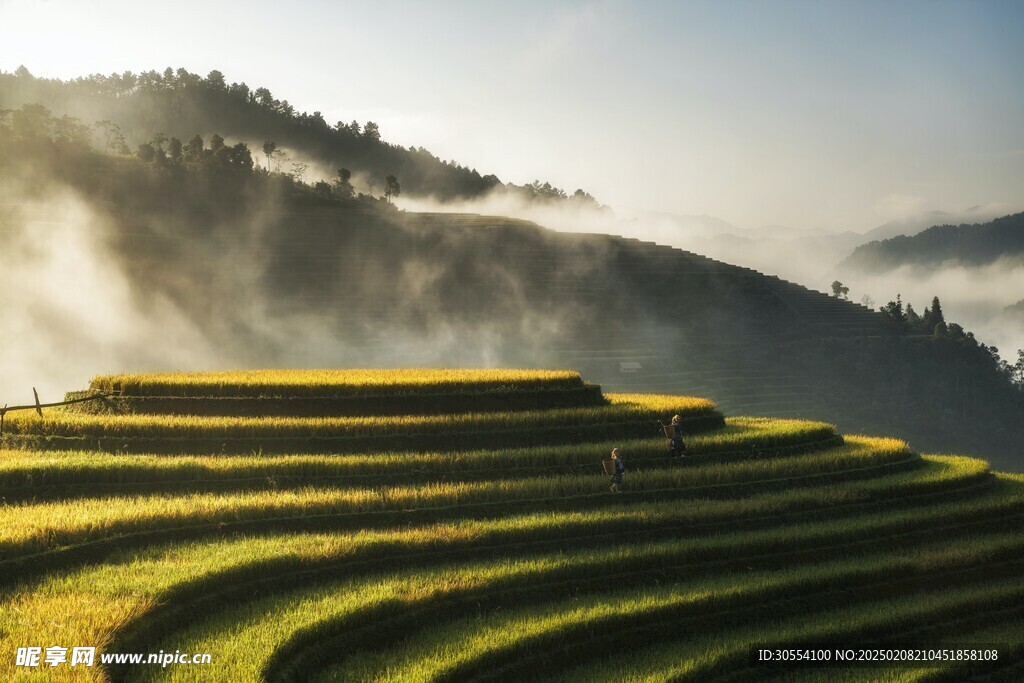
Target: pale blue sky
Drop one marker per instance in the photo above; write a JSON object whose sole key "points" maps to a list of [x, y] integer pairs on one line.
{"points": [[839, 115]]}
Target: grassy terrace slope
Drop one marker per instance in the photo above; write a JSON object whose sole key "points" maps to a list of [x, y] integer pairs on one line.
{"points": [[624, 416], [339, 392], [484, 545], [334, 383]]}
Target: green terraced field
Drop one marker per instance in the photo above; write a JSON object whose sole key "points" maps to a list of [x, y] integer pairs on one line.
{"points": [[485, 544], [624, 416], [325, 393], [333, 383]]}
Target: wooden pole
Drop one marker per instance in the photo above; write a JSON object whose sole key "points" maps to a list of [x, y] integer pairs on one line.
{"points": [[38, 405]]}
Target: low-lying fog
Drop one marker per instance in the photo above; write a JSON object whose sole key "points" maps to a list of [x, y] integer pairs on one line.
{"points": [[974, 297], [71, 312]]}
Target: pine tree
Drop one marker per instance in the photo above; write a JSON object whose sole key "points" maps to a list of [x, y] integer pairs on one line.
{"points": [[936, 311]]}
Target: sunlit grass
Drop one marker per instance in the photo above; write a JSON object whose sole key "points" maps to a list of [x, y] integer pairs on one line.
{"points": [[624, 408], [492, 536], [443, 649], [742, 437], [97, 600], [327, 382], [54, 524], [695, 656]]}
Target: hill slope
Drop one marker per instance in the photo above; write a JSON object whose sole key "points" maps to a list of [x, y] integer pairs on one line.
{"points": [[140, 108], [970, 245], [457, 289], [251, 269], [914, 224], [498, 563]]}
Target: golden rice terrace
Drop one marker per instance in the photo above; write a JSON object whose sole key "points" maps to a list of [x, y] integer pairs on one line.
{"points": [[457, 525]]}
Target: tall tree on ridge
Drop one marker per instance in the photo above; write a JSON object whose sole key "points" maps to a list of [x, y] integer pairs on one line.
{"points": [[391, 188], [269, 147]]}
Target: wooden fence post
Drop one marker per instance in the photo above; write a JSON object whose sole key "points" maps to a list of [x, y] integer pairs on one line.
{"points": [[38, 407]]}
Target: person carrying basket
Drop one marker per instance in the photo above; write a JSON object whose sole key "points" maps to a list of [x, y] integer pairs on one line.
{"points": [[674, 432], [616, 468]]}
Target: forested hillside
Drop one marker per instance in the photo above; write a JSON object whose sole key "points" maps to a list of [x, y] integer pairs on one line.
{"points": [[150, 107], [273, 271], [970, 245]]}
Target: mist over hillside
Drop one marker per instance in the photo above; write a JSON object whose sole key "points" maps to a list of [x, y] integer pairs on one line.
{"points": [[577, 341], [142, 108], [975, 275], [975, 245], [918, 222], [976, 269], [195, 245], [199, 258]]}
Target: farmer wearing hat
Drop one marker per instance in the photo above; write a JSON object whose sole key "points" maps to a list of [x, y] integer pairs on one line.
{"points": [[675, 445], [620, 467]]}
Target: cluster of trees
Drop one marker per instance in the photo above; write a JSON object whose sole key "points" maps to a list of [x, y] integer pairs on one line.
{"points": [[342, 188], [34, 123], [235, 157], [34, 139], [1017, 370], [906, 321], [67, 147], [179, 102], [546, 192]]}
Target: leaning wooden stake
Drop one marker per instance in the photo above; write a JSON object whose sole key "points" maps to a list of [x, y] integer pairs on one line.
{"points": [[38, 407]]}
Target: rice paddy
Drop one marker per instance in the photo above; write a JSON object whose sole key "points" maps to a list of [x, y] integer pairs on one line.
{"points": [[485, 545], [332, 383]]}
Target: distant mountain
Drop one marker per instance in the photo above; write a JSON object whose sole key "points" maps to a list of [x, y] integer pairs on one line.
{"points": [[920, 222], [972, 245], [686, 225], [716, 229]]}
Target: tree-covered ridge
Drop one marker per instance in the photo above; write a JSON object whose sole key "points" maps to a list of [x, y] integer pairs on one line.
{"points": [[973, 245], [962, 348], [177, 103], [97, 159]]}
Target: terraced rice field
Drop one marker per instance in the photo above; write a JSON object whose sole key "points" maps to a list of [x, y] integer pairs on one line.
{"points": [[485, 545], [333, 383]]}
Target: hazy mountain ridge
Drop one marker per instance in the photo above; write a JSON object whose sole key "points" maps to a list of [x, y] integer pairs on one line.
{"points": [[912, 225], [806, 255], [202, 264], [177, 103], [977, 244], [200, 258]]}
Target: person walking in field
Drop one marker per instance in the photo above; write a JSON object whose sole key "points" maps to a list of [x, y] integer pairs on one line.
{"points": [[675, 445], [618, 468]]}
